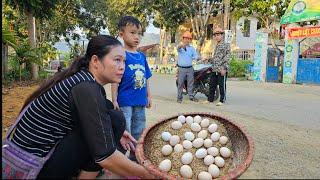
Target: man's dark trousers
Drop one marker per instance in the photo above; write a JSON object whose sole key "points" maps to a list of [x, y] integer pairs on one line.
{"points": [[183, 74]]}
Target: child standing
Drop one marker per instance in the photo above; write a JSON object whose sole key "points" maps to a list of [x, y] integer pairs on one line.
{"points": [[132, 95]]}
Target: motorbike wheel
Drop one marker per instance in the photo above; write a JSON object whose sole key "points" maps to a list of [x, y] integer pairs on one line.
{"points": [[206, 92]]}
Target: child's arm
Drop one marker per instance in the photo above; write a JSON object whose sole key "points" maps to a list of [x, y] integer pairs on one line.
{"points": [[114, 94], [148, 95]]}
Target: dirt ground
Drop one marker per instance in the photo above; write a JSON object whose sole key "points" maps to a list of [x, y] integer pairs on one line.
{"points": [[13, 97]]}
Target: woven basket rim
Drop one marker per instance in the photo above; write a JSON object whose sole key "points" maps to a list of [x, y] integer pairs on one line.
{"points": [[231, 175]]}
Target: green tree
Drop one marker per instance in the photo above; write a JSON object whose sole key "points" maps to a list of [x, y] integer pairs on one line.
{"points": [[266, 11], [42, 9], [199, 12]]}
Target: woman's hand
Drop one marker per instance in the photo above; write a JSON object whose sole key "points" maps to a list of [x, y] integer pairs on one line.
{"points": [[127, 141]]}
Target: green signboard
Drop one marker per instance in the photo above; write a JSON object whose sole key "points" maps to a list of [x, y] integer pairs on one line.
{"points": [[301, 10]]}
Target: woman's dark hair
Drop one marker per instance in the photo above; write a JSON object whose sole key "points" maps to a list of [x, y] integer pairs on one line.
{"points": [[99, 45]]}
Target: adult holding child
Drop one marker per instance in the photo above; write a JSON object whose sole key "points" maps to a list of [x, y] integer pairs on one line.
{"points": [[67, 128]]}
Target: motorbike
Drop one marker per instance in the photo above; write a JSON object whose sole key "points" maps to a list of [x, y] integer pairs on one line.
{"points": [[201, 81]]}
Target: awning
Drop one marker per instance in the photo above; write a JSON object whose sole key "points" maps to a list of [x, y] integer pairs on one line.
{"points": [[301, 10]]}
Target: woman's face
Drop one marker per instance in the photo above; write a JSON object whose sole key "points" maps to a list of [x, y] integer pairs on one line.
{"points": [[112, 66]]}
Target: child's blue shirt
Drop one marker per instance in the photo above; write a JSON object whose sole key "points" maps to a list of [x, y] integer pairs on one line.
{"points": [[132, 90]]}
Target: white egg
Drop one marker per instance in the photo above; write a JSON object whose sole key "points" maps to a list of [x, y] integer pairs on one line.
{"points": [[189, 136], [215, 136], [166, 150], [214, 170], [207, 143], [213, 151], [182, 119], [201, 153], [166, 136], [176, 125], [187, 144], [212, 128], [223, 140], [178, 148], [209, 159], [189, 120], [195, 127], [174, 140], [197, 119], [197, 142], [203, 134], [186, 171], [187, 158], [225, 152], [219, 161], [205, 123], [165, 165], [204, 176]]}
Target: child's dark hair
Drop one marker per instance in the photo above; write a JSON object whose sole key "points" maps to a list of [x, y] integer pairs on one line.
{"points": [[128, 20]]}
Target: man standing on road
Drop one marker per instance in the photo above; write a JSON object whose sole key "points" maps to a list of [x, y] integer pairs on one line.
{"points": [[220, 65], [186, 53]]}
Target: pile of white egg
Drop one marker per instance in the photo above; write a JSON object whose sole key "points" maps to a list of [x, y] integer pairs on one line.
{"points": [[202, 136]]}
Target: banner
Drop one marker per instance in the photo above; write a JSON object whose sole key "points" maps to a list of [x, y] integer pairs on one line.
{"points": [[260, 57], [301, 10], [304, 32]]}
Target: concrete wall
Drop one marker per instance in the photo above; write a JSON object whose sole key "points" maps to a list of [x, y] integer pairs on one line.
{"points": [[246, 42]]}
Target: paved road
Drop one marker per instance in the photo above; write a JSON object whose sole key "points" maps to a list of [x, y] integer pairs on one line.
{"points": [[293, 104], [284, 121]]}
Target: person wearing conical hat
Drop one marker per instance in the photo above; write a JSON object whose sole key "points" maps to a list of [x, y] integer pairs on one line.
{"points": [[220, 66], [186, 54]]}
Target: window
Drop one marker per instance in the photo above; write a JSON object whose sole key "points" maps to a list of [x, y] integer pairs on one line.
{"points": [[246, 28], [209, 31]]}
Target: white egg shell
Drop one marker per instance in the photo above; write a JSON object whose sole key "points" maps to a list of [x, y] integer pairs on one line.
{"points": [[204, 176], [205, 123], [186, 171], [213, 151], [201, 153], [223, 140], [165, 165], [215, 136], [212, 128], [203, 134], [166, 150], [214, 170], [174, 140], [219, 161], [178, 148], [225, 152], [166, 136], [182, 119], [187, 144], [197, 142], [197, 119], [209, 159], [176, 125], [187, 158], [195, 127], [189, 120], [207, 143], [189, 136]]}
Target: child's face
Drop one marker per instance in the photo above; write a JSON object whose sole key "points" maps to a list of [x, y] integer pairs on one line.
{"points": [[131, 35]]}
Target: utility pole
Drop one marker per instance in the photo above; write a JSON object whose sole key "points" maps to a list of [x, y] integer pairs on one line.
{"points": [[226, 14]]}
